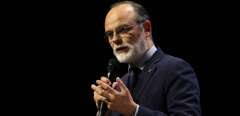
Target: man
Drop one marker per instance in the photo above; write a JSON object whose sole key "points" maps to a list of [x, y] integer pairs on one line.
{"points": [[164, 85]]}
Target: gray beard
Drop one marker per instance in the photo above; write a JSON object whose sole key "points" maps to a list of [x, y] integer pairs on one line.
{"points": [[136, 51]]}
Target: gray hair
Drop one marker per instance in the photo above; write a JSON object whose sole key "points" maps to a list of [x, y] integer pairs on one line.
{"points": [[142, 14]]}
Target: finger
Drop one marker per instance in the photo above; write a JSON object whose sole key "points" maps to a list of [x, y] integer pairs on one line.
{"points": [[103, 92], [106, 87], [116, 86], [102, 84], [107, 95], [121, 85], [97, 89], [93, 87], [99, 98], [106, 80]]}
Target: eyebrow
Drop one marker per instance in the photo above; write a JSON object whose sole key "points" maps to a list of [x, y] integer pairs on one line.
{"points": [[120, 26], [107, 33]]}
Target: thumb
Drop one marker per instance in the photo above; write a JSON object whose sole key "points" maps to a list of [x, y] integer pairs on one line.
{"points": [[121, 85]]}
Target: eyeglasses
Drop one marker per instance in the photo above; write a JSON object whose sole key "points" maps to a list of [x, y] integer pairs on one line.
{"points": [[122, 31]]}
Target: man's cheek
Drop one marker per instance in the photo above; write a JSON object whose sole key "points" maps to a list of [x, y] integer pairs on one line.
{"points": [[111, 44]]}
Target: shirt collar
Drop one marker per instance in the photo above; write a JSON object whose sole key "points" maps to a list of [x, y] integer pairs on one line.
{"points": [[146, 57]]}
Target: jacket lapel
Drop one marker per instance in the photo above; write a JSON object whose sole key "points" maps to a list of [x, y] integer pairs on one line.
{"points": [[147, 73]]}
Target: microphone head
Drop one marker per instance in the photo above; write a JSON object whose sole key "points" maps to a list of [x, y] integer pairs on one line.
{"points": [[113, 67]]}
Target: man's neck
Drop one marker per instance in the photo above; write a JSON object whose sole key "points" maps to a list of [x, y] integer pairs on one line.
{"points": [[146, 56]]}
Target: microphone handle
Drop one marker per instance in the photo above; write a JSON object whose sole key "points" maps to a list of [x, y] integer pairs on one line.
{"points": [[102, 109], [103, 106]]}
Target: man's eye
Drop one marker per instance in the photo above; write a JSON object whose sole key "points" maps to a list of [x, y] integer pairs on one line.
{"points": [[125, 29], [109, 34]]}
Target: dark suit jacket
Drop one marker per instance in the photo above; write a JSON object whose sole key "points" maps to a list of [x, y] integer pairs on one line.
{"points": [[167, 86]]}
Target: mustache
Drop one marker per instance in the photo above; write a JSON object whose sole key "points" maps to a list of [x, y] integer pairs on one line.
{"points": [[121, 47]]}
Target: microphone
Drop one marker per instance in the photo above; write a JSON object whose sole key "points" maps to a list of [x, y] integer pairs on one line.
{"points": [[113, 67]]}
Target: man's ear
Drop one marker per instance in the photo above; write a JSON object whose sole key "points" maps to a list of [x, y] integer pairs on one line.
{"points": [[147, 28]]}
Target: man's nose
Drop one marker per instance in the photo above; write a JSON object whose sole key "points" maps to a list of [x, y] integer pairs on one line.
{"points": [[117, 39]]}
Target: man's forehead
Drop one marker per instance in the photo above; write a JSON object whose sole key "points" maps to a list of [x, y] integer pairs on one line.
{"points": [[119, 14]]}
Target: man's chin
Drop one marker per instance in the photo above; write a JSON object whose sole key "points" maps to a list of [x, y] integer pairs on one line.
{"points": [[122, 57], [122, 60]]}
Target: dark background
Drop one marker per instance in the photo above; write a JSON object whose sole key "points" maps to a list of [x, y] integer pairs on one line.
{"points": [[57, 50]]}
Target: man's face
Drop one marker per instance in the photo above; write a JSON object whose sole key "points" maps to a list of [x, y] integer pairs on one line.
{"points": [[124, 34]]}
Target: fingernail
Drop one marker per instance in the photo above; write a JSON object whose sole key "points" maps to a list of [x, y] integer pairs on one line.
{"points": [[117, 78], [92, 86], [97, 81], [102, 77]]}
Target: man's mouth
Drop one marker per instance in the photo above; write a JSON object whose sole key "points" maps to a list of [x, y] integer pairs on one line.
{"points": [[122, 49]]}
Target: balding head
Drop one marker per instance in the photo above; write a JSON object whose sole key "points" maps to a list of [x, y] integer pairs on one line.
{"points": [[124, 13], [140, 13]]}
